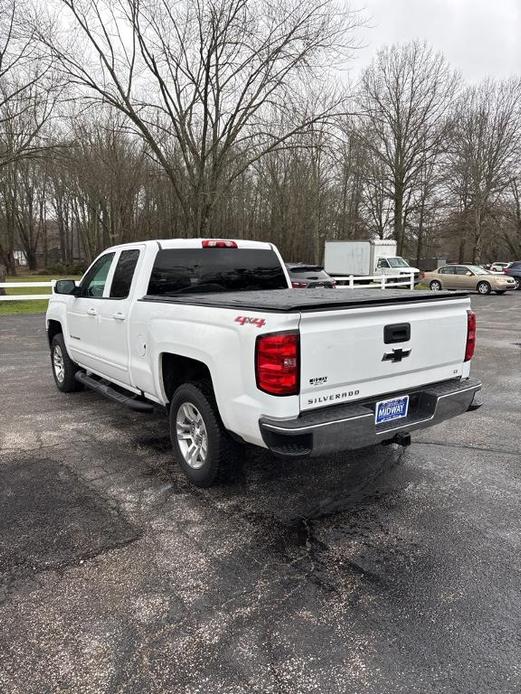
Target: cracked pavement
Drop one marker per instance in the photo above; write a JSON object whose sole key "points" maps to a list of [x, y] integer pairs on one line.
{"points": [[383, 570]]}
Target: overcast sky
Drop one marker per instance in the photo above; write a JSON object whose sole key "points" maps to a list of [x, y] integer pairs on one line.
{"points": [[479, 37]]}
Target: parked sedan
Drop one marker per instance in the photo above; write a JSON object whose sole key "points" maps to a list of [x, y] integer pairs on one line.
{"points": [[304, 276], [513, 270], [498, 267], [469, 277]]}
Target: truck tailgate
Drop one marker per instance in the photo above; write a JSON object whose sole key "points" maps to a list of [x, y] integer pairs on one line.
{"points": [[349, 354]]}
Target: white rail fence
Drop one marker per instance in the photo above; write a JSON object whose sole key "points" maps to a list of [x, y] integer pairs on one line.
{"points": [[343, 282], [376, 281], [25, 285]]}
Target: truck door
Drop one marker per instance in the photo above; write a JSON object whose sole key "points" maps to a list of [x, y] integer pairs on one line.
{"points": [[82, 315], [113, 312], [383, 267]]}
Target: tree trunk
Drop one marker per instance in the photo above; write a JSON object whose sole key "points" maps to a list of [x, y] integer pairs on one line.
{"points": [[3, 273], [419, 246], [45, 247], [461, 250], [398, 217], [476, 251], [31, 259], [11, 264]]}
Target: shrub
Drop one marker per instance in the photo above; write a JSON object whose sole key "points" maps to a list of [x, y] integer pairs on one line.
{"points": [[62, 269]]}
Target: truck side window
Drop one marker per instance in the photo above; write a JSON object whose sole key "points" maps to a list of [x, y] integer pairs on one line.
{"points": [[382, 262], [123, 274], [94, 282]]}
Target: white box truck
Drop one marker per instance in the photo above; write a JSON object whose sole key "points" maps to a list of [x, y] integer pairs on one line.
{"points": [[365, 259]]}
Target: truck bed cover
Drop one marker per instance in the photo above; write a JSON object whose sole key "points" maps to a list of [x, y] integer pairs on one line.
{"points": [[303, 300]]}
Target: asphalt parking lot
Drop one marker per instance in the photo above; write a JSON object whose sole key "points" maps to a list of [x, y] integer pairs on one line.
{"points": [[381, 571]]}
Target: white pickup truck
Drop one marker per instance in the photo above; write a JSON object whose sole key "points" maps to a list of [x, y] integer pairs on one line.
{"points": [[211, 332]]}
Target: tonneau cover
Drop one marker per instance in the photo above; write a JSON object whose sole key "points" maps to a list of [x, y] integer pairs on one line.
{"points": [[292, 300]]}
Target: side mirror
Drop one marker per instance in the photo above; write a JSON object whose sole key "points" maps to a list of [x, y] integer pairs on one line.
{"points": [[66, 287], [468, 273]]}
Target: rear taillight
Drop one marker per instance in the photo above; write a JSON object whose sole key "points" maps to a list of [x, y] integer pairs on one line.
{"points": [[277, 368], [421, 276], [507, 270], [299, 285], [219, 243], [471, 335]]}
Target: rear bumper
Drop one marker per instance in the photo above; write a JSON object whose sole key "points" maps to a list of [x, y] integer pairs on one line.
{"points": [[348, 427]]}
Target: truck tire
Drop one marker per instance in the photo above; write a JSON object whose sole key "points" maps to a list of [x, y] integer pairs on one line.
{"points": [[202, 447], [484, 288], [63, 368]]}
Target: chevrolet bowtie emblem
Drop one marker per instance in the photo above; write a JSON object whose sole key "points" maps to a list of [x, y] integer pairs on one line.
{"points": [[396, 355]]}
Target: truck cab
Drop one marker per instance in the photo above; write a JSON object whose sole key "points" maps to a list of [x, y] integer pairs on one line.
{"points": [[392, 265]]}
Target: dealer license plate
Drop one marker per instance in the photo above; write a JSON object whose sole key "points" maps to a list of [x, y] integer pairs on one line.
{"points": [[387, 410]]}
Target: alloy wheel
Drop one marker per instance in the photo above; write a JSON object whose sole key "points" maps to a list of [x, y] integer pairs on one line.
{"points": [[192, 436], [58, 364]]}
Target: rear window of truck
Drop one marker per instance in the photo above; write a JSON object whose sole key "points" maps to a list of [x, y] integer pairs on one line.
{"points": [[200, 270]]}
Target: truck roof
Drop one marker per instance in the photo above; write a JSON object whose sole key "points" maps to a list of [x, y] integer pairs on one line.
{"points": [[373, 242], [191, 243], [302, 300]]}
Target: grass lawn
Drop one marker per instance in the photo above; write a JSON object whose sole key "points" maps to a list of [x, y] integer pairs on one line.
{"points": [[31, 306]]}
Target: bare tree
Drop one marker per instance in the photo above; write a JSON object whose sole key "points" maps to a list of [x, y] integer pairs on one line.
{"points": [[27, 88], [377, 203], [202, 80], [485, 148], [406, 95], [347, 163], [28, 94], [511, 216]]}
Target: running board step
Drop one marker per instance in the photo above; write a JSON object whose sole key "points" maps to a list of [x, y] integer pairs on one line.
{"points": [[113, 394]]}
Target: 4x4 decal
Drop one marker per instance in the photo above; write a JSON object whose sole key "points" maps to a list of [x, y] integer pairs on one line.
{"points": [[259, 322]]}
